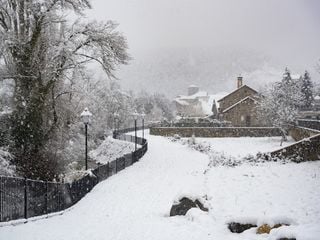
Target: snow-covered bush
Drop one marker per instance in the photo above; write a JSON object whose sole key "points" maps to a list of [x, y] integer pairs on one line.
{"points": [[110, 149], [192, 140], [74, 172], [280, 103], [6, 168]]}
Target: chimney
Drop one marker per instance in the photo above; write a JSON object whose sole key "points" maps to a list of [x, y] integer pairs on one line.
{"points": [[239, 82]]}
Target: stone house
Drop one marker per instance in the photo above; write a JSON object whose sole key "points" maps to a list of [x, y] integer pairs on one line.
{"points": [[196, 104], [239, 106]]}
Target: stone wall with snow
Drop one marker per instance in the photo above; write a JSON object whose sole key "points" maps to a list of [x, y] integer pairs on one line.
{"points": [[216, 132]]}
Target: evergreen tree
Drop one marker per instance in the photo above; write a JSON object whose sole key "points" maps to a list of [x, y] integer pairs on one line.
{"points": [[307, 91], [286, 76]]}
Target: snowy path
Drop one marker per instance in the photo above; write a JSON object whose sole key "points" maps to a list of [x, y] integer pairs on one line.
{"points": [[135, 203]]}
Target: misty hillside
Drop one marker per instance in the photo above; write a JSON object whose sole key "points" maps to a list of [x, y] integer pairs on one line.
{"points": [[215, 70]]}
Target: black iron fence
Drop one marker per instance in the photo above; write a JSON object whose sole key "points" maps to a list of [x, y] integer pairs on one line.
{"points": [[25, 198]]}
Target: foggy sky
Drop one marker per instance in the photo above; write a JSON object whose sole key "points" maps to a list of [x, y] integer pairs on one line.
{"points": [[283, 28]]}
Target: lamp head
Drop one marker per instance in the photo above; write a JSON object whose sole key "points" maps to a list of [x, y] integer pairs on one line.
{"points": [[85, 116], [135, 115]]}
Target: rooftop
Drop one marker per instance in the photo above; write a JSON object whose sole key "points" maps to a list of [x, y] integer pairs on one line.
{"points": [[236, 91]]}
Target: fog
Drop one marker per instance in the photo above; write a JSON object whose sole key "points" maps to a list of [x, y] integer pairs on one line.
{"points": [[284, 31]]}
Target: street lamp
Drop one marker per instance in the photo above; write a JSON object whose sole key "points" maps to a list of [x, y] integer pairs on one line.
{"points": [[135, 116], [116, 118], [116, 121], [143, 115], [85, 117]]}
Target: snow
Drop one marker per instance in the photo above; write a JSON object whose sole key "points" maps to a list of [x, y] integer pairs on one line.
{"points": [[135, 203], [295, 76], [111, 149], [181, 102], [199, 94], [207, 105], [86, 113], [205, 99], [243, 146], [6, 169]]}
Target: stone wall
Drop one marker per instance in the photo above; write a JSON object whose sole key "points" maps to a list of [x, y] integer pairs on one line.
{"points": [[216, 132], [308, 149], [299, 133], [239, 114]]}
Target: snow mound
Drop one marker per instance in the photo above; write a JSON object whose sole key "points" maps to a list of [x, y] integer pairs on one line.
{"points": [[110, 149]]}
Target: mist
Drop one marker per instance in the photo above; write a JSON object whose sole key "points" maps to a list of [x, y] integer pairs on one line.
{"points": [[277, 33]]}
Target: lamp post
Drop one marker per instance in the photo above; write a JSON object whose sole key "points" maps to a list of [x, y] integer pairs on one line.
{"points": [[135, 116], [116, 118], [116, 123], [143, 115], [85, 117]]}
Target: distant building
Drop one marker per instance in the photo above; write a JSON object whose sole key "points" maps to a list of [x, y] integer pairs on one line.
{"points": [[239, 106], [195, 104]]}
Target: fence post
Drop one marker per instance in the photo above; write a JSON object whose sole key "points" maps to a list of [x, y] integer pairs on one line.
{"points": [[1, 200], [108, 170], [116, 165], [58, 190], [25, 198], [46, 200], [133, 157]]}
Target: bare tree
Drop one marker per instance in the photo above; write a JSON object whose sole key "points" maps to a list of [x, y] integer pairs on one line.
{"points": [[279, 105], [39, 50]]}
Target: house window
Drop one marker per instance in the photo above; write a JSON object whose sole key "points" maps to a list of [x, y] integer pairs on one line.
{"points": [[242, 118]]}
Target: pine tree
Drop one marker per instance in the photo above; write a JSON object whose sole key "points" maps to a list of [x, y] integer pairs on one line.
{"points": [[307, 91], [286, 76]]}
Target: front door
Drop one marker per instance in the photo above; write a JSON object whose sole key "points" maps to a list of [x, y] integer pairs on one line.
{"points": [[248, 121]]}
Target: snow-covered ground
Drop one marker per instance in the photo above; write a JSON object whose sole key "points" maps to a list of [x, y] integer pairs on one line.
{"points": [[243, 146], [135, 203], [110, 149]]}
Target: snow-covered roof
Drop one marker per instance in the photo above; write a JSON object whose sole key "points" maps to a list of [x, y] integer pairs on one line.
{"points": [[194, 96], [181, 102], [295, 76], [236, 91], [206, 103], [237, 103], [317, 97]]}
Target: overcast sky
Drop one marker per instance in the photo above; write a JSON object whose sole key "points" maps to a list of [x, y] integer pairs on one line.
{"points": [[287, 28]]}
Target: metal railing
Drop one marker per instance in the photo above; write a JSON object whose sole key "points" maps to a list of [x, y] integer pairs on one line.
{"points": [[25, 198]]}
